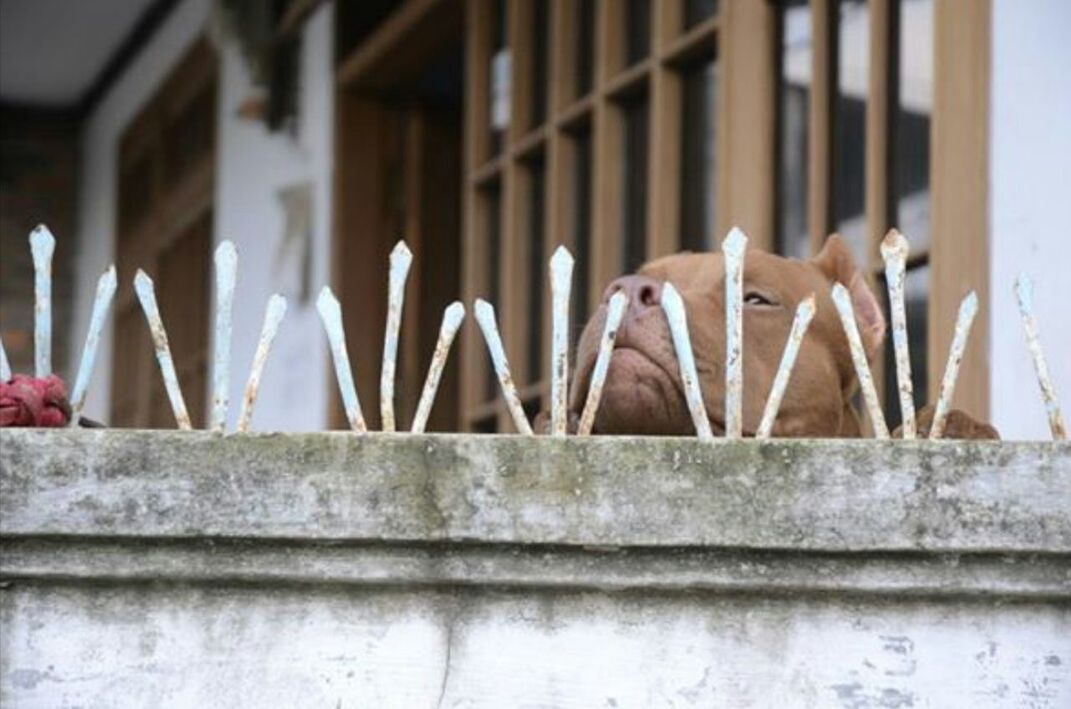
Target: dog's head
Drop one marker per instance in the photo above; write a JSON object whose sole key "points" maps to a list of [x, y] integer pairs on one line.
{"points": [[643, 393]]}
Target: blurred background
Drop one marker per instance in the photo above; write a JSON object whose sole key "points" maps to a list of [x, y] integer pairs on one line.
{"points": [[315, 134]]}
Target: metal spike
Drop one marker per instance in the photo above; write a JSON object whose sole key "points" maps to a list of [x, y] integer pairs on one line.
{"points": [[106, 287], [614, 312], [894, 251], [561, 279], [1024, 291], [5, 365], [485, 317], [804, 314], [734, 247], [843, 300], [331, 316], [42, 246], [967, 310], [400, 261], [452, 317], [143, 286], [673, 306], [226, 275], [273, 315]]}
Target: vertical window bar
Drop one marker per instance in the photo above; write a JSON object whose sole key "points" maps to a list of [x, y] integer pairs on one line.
{"points": [[634, 179], [849, 126], [697, 207], [794, 94]]}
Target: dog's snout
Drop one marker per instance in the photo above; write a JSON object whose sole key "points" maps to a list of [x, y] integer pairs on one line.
{"points": [[642, 291]]}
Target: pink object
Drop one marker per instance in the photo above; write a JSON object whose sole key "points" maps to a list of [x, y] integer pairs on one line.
{"points": [[34, 401]]}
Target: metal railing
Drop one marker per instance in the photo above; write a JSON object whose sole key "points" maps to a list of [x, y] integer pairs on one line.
{"points": [[894, 250]]}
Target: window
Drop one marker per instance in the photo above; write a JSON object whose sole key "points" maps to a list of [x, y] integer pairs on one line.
{"points": [[841, 168], [613, 154], [166, 167]]}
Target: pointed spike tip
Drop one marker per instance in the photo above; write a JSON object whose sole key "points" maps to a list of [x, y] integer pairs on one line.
{"points": [[970, 303], [483, 310], [41, 238], [894, 244], [226, 250], [561, 255], [1024, 289], [735, 242], [401, 252], [454, 314]]}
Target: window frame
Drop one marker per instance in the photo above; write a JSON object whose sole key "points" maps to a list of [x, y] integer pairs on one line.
{"points": [[598, 113]]}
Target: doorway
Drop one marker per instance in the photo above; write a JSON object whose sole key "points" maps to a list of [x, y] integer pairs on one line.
{"points": [[398, 172]]}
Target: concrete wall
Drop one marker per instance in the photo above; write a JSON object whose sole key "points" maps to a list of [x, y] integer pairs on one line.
{"points": [[1030, 150], [184, 569], [253, 165]]}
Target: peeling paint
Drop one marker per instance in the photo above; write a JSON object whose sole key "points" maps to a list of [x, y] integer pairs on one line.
{"points": [[273, 315], [843, 301], [42, 246], [967, 310], [106, 287], [894, 251], [615, 310], [401, 258], [143, 286], [673, 306], [452, 317]]}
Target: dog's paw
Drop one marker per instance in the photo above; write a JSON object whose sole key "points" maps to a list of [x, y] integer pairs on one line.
{"points": [[541, 425], [959, 424]]}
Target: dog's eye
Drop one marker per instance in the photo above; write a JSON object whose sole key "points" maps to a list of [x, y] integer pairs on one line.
{"points": [[756, 298]]}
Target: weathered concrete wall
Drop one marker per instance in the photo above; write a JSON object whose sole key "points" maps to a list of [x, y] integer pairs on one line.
{"points": [[182, 569]]}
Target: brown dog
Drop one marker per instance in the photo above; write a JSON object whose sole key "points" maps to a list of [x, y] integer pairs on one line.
{"points": [[643, 393]]}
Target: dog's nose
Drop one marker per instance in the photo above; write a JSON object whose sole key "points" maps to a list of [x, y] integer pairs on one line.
{"points": [[643, 292]]}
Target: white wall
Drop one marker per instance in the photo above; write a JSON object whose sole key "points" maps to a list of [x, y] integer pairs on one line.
{"points": [[1030, 197], [253, 165], [98, 181]]}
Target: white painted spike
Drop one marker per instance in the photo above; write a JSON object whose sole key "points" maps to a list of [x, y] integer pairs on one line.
{"points": [[614, 312], [42, 246], [226, 259], [561, 279], [733, 247], [5, 365], [894, 251], [485, 318], [452, 317], [106, 288], [331, 316], [273, 315], [967, 310], [143, 286], [673, 306], [1024, 291], [843, 300], [401, 258], [804, 315]]}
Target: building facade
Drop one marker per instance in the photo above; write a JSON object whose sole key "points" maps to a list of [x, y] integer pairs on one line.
{"points": [[487, 132]]}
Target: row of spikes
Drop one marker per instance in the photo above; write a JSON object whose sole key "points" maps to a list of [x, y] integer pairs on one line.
{"points": [[894, 250]]}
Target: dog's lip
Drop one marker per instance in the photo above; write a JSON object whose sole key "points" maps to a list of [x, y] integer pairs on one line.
{"points": [[716, 424], [675, 378]]}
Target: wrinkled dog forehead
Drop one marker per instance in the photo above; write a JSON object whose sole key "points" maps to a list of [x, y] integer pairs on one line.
{"points": [[688, 271], [704, 273]]}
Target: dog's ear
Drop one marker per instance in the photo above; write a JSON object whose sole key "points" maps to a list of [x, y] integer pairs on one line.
{"points": [[836, 262]]}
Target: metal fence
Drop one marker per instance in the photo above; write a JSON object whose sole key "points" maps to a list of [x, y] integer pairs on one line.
{"points": [[894, 250]]}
